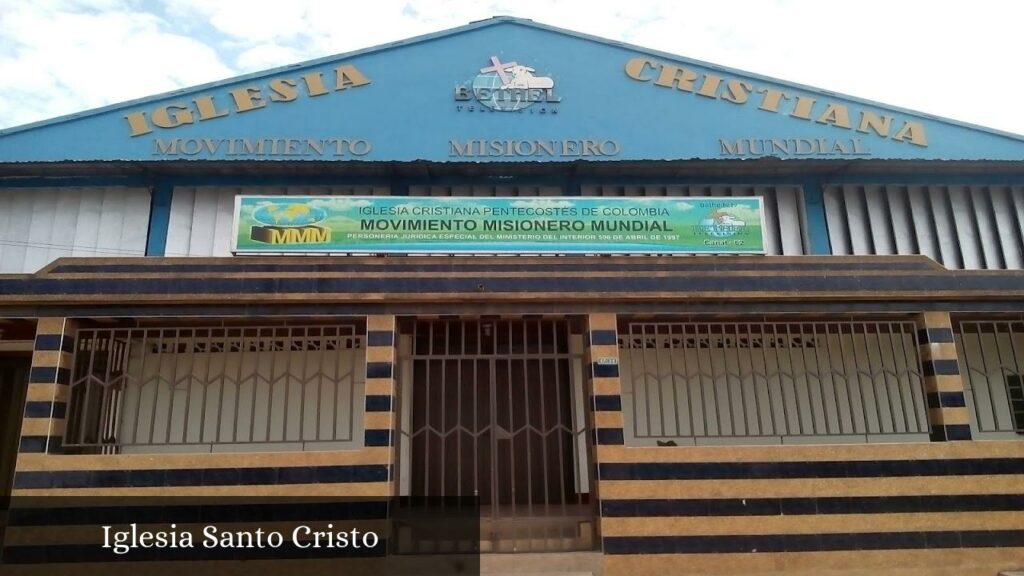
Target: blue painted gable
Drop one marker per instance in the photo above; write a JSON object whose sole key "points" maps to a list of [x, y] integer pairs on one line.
{"points": [[502, 90]]}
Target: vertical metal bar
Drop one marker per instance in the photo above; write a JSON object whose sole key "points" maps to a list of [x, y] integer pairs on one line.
{"points": [[648, 424], [444, 404], [971, 370], [819, 377], [327, 337], [156, 384], [529, 442], [796, 389], [544, 428], [738, 376], [139, 384], [476, 416], [996, 333], [555, 326], [304, 363], [748, 334], [343, 351], [353, 348], [658, 386], [1016, 372], [173, 383], [830, 362], [672, 380], [846, 378], [913, 372], [723, 328], [271, 346], [885, 374], [460, 425], [235, 415], [871, 374], [699, 388], [190, 352], [701, 378], [891, 331], [633, 380], [512, 441], [205, 385], [83, 433], [428, 424], [782, 381]]}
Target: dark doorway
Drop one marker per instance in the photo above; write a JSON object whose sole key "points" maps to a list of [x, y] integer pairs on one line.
{"points": [[490, 411], [14, 369]]}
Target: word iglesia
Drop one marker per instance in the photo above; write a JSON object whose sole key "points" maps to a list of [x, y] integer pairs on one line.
{"points": [[244, 99], [773, 100]]}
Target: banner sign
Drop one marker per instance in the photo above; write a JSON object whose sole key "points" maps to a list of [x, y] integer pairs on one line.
{"points": [[481, 225]]}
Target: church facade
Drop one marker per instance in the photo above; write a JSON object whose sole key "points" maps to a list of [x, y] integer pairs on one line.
{"points": [[652, 314]]}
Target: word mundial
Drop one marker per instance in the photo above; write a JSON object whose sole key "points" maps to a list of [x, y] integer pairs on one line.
{"points": [[124, 541]]}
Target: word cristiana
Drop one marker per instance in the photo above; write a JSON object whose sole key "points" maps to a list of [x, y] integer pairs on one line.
{"points": [[776, 101], [244, 99], [124, 541]]}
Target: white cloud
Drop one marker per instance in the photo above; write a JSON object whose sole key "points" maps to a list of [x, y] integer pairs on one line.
{"points": [[60, 57], [948, 58]]}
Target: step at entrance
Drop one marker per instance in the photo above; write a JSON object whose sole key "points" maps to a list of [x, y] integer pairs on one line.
{"points": [[540, 564]]}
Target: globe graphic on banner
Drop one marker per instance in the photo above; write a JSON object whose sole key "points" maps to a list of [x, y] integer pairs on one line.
{"points": [[720, 225], [498, 99]]}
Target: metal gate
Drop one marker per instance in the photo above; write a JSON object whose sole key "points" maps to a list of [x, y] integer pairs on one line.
{"points": [[493, 409]]}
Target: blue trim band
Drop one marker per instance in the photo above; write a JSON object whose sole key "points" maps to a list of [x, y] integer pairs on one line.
{"points": [[817, 221], [159, 219]]}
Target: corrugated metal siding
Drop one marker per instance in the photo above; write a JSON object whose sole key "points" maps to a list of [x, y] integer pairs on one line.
{"points": [[484, 190], [784, 218], [961, 227], [201, 217], [39, 225]]}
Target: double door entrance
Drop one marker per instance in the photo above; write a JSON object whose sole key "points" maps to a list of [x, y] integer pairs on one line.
{"points": [[492, 410]]}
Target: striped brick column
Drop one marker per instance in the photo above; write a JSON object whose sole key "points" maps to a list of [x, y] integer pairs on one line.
{"points": [[379, 416], [605, 388], [944, 387], [42, 429]]}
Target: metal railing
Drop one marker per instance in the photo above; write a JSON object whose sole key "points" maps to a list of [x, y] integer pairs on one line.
{"points": [[197, 386], [991, 355], [701, 381]]}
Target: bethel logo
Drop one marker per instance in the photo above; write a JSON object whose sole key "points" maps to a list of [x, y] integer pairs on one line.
{"points": [[508, 87]]}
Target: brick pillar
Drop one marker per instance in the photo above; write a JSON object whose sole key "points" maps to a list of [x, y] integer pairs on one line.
{"points": [[605, 388], [46, 401], [943, 385], [379, 415]]}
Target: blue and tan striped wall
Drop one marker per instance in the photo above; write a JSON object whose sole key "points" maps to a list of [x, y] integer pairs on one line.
{"points": [[943, 384], [46, 402], [605, 386], [926, 508], [43, 470]]}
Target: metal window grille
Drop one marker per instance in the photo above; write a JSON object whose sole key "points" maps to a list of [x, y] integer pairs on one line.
{"points": [[992, 361], [712, 381], [289, 386]]}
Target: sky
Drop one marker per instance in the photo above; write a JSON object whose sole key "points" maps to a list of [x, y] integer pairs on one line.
{"points": [[956, 59]]}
